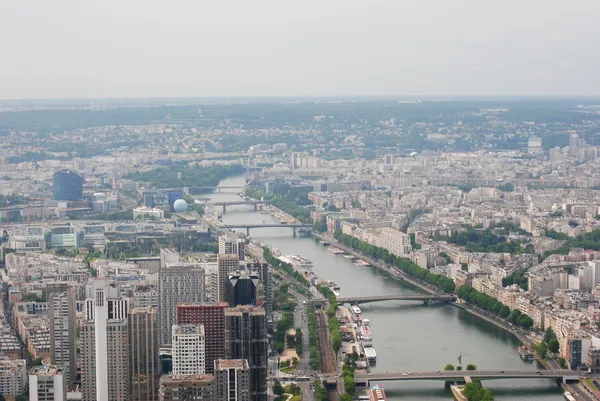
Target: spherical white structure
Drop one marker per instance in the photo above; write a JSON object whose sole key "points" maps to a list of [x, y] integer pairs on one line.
{"points": [[180, 206]]}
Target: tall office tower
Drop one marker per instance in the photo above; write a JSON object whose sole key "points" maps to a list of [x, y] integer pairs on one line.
{"points": [[212, 317], [226, 266], [187, 388], [230, 244], [105, 344], [62, 321], [188, 349], [246, 338], [232, 380], [143, 354], [67, 185], [264, 273], [176, 284], [47, 383], [240, 289]]}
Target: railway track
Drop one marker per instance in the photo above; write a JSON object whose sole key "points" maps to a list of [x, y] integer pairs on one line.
{"points": [[327, 356]]}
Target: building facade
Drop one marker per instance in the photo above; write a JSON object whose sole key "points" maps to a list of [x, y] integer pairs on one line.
{"points": [[232, 380], [188, 345], [176, 285], [226, 266], [187, 388], [105, 344], [246, 338], [241, 287], [143, 351], [67, 185], [47, 383], [62, 321]]}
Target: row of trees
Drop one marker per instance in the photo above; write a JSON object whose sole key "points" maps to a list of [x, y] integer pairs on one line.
{"points": [[286, 267], [298, 342], [334, 325], [313, 341], [404, 264], [492, 305], [348, 376], [290, 204], [451, 367]]}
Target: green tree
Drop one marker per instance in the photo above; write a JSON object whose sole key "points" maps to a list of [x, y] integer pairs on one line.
{"points": [[562, 362], [553, 345], [549, 334], [345, 397], [458, 367], [471, 367], [449, 367], [277, 388], [541, 349]]}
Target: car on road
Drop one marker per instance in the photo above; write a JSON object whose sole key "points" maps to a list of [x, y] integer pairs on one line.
{"points": [[404, 374]]}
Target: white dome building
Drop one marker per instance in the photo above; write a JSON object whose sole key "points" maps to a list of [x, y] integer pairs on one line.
{"points": [[180, 206]]}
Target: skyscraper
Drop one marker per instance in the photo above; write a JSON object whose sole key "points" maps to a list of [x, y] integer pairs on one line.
{"points": [[47, 383], [105, 344], [212, 317], [246, 338], [67, 185], [232, 380], [177, 284], [240, 289], [226, 266], [188, 349], [264, 273], [62, 321], [230, 244], [143, 351]]}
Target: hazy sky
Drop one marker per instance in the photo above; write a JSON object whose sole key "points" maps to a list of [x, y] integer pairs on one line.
{"points": [[138, 48]]}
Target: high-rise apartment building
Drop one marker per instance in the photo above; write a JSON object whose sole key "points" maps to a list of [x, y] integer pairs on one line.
{"points": [[226, 266], [177, 284], [230, 244], [187, 388], [61, 317], [105, 344], [67, 185], [212, 317], [143, 354], [240, 289], [47, 383], [246, 338], [188, 349], [232, 380]]}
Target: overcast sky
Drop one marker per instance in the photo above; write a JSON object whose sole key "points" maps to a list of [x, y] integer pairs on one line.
{"points": [[140, 48]]}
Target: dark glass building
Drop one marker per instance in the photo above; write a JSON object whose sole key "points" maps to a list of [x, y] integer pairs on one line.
{"points": [[67, 185], [246, 338], [240, 289]]}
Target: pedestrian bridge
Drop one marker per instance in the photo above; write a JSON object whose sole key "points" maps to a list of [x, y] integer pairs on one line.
{"points": [[462, 375], [379, 298]]}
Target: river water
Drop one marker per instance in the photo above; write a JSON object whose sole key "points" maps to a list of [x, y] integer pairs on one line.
{"points": [[406, 336]]}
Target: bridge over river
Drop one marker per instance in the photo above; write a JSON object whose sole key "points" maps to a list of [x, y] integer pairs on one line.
{"points": [[380, 298]]}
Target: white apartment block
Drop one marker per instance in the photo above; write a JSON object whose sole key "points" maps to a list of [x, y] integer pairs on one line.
{"points": [[189, 352], [47, 383], [226, 265], [13, 376]]}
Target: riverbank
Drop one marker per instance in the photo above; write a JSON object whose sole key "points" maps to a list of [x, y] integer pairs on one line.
{"points": [[429, 289]]}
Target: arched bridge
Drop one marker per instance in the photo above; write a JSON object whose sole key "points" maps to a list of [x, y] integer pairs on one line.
{"points": [[379, 298], [460, 375]]}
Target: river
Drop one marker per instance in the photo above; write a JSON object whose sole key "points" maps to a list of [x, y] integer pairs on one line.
{"points": [[406, 336]]}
